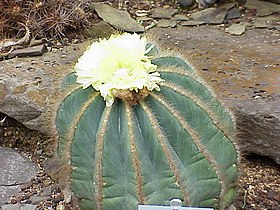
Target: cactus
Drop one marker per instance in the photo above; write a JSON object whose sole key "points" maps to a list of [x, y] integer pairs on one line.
{"points": [[173, 143]]}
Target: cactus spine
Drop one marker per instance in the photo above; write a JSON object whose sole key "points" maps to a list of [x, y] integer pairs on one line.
{"points": [[175, 143]]}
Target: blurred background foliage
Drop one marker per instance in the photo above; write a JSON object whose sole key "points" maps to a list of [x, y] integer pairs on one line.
{"points": [[44, 18]]}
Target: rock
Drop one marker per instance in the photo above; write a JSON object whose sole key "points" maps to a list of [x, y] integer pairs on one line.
{"points": [[18, 207], [236, 29], [232, 207], [3, 92], [60, 207], [206, 3], [191, 23], [185, 3], [267, 22], [47, 191], [100, 30], [259, 123], [36, 199], [15, 170], [6, 192], [68, 194], [181, 17], [117, 18], [227, 6], [200, 14], [32, 86], [274, 1], [143, 19], [165, 13], [30, 51], [259, 23], [36, 42], [166, 23], [263, 8], [13, 107], [233, 14], [210, 15]]}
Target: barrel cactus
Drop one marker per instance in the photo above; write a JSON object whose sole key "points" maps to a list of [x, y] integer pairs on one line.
{"points": [[165, 138]]}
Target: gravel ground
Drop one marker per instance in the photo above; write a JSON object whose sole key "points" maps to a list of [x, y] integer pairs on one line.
{"points": [[259, 186]]}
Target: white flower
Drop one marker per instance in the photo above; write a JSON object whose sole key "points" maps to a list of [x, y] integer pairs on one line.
{"points": [[118, 63]]}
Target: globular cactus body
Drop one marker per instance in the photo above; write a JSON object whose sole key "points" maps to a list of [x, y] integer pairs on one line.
{"points": [[175, 143]]}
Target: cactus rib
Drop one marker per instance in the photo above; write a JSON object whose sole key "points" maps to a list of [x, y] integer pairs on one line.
{"points": [[196, 139], [167, 151], [99, 152], [204, 106], [67, 132], [191, 83], [135, 156]]}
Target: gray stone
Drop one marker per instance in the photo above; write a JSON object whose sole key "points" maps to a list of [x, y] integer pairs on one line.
{"points": [[68, 194], [15, 170], [274, 1], [259, 23], [181, 17], [210, 15], [36, 199], [206, 3], [185, 3], [143, 19], [18, 207], [267, 22], [32, 86], [30, 51], [3, 92], [6, 192], [47, 191], [258, 127], [100, 30], [165, 13], [236, 29], [15, 108], [117, 18], [191, 23], [263, 8], [200, 14], [166, 23], [233, 14], [227, 6]]}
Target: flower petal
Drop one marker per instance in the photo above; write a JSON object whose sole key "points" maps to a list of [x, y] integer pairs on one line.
{"points": [[118, 63]]}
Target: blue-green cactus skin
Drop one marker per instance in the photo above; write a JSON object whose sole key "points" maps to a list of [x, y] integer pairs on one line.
{"points": [[175, 143]]}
